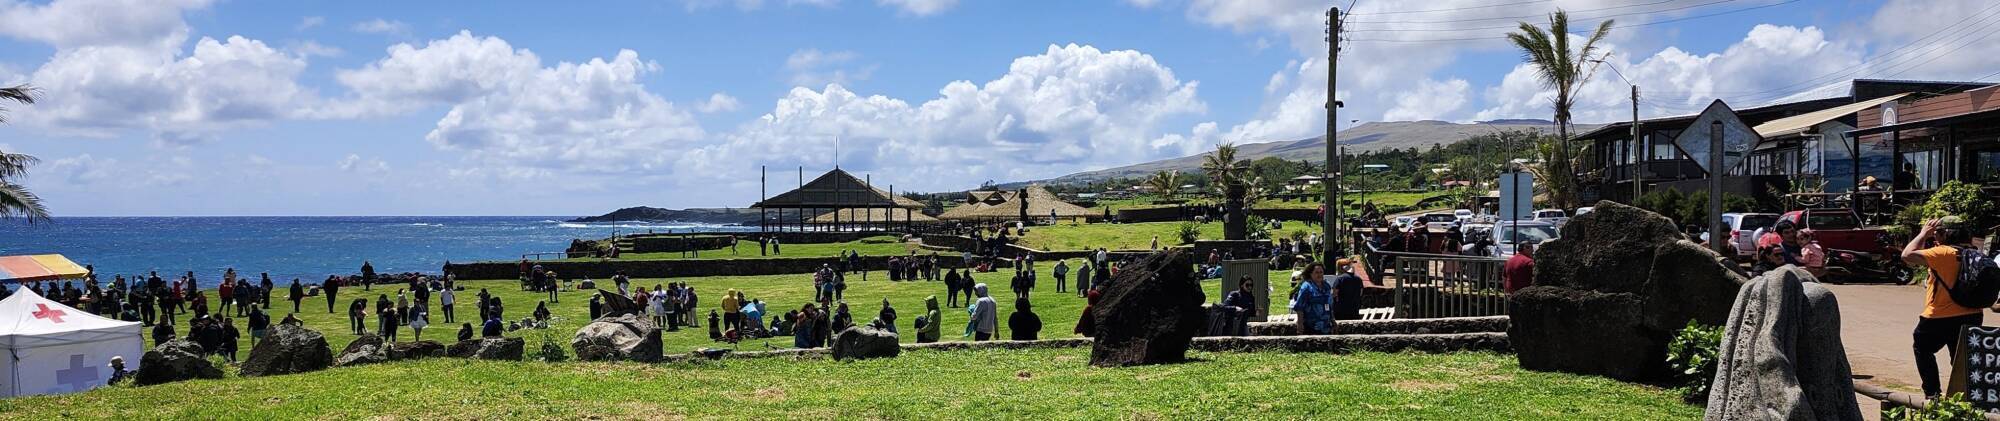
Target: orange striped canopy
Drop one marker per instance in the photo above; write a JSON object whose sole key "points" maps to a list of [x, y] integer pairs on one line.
{"points": [[39, 267]]}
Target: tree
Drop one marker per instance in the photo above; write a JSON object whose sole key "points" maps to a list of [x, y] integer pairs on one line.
{"points": [[15, 200], [1165, 183], [1226, 175], [1560, 69]]}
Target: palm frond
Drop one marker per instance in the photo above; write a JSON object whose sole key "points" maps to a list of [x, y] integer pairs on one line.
{"points": [[14, 164], [17, 202], [19, 93]]}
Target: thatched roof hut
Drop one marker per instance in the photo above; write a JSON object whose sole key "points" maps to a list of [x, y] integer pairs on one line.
{"points": [[1038, 202]]}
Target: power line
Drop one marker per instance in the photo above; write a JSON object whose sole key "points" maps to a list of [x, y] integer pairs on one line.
{"points": [[1502, 37], [1454, 9], [1851, 71], [1518, 17]]}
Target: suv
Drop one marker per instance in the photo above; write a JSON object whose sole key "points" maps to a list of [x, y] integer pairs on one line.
{"points": [[1552, 216], [1741, 227], [1437, 222], [1506, 233]]}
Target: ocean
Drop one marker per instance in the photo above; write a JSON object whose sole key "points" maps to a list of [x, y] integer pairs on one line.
{"points": [[308, 248]]}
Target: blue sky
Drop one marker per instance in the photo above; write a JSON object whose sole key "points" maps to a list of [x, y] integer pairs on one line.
{"points": [[198, 107]]}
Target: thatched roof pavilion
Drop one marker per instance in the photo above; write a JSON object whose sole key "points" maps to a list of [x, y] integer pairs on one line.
{"points": [[1033, 201], [819, 205]]}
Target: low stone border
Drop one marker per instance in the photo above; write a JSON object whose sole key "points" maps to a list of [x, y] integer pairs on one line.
{"points": [[1890, 399], [1333, 344], [1394, 326]]}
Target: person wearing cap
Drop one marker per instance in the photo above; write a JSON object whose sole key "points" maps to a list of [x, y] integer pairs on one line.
{"points": [[1942, 318], [1346, 291], [118, 372]]}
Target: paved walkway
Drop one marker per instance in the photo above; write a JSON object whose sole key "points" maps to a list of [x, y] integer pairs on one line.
{"points": [[1875, 323]]}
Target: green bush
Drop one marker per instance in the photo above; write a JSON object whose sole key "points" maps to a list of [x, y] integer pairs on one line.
{"points": [[1692, 356], [1949, 408], [1691, 209], [1188, 232], [1953, 199], [1256, 228]]}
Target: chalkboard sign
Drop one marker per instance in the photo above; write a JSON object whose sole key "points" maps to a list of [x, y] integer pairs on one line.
{"points": [[1975, 368]]}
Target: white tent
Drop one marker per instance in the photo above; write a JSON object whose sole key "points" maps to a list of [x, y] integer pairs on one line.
{"points": [[52, 348]]}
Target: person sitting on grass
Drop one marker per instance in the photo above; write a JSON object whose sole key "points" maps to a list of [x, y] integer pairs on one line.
{"points": [[1023, 325], [841, 318], [542, 311], [119, 374], [464, 332], [714, 325], [885, 319], [493, 328], [163, 331], [927, 324], [802, 332], [1087, 324]]}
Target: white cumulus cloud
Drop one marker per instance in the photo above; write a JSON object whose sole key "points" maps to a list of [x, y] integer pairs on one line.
{"points": [[719, 103]]}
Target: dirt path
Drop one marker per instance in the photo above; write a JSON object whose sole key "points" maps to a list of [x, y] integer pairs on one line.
{"points": [[1875, 323]]}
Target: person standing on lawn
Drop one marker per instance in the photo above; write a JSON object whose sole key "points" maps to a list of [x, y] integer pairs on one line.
{"points": [[1062, 275], [1939, 324], [1346, 291], [1313, 303], [332, 289], [985, 314], [298, 294], [1023, 325]]}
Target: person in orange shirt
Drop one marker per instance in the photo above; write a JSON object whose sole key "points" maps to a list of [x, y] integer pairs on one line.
{"points": [[1939, 325]]}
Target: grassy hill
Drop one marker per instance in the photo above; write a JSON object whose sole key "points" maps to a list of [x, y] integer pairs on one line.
{"points": [[985, 384], [1373, 136]]}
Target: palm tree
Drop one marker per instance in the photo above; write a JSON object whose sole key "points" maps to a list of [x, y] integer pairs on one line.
{"points": [[1165, 183], [1560, 69], [15, 200], [1225, 174]]}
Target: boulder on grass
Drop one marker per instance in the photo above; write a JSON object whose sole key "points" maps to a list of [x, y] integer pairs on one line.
{"points": [[625, 337], [1610, 293], [617, 304], [288, 349], [365, 349], [1781, 355], [1149, 312], [505, 349], [864, 342], [174, 361], [415, 350]]}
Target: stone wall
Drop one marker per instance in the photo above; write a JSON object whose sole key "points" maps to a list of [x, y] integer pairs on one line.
{"points": [[1336, 344], [1492, 324], [1152, 214], [674, 244], [675, 268], [1288, 214]]}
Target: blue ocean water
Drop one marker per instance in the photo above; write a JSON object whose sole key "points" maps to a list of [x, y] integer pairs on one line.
{"points": [[308, 248]]}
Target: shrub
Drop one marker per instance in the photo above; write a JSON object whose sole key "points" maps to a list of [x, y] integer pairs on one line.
{"points": [[1691, 209], [1953, 199], [1949, 408], [552, 350], [1188, 232], [1692, 356], [1256, 228]]}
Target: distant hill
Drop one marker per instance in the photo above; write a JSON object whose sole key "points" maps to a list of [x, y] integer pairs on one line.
{"points": [[721, 216], [1367, 137]]}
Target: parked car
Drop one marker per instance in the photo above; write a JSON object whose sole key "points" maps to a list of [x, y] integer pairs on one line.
{"points": [[1583, 210], [1464, 215], [1403, 222], [1552, 216], [1741, 226], [1438, 222], [1507, 233]]}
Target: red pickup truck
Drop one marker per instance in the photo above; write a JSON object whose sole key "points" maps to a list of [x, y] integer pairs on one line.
{"points": [[1838, 229], [1853, 251]]}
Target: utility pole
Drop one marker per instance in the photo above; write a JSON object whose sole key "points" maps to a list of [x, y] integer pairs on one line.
{"points": [[1715, 173], [1330, 218], [1640, 150]]}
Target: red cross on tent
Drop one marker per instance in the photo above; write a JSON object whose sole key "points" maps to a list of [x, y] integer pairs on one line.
{"points": [[53, 315]]}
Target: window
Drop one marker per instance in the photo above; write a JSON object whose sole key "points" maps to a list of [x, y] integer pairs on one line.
{"points": [[1986, 167], [1919, 170], [1753, 222], [1831, 221]]}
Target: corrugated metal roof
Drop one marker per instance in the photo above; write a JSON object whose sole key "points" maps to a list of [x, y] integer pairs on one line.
{"points": [[1800, 123]]}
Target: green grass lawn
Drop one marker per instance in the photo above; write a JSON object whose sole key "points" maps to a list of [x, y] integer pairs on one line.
{"points": [[1134, 236], [1059, 311], [871, 246], [983, 384]]}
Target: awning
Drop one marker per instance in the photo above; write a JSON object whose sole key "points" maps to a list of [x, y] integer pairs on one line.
{"points": [[1800, 123], [40, 267], [1934, 122]]}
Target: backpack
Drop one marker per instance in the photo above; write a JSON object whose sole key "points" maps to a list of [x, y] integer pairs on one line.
{"points": [[1978, 283]]}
